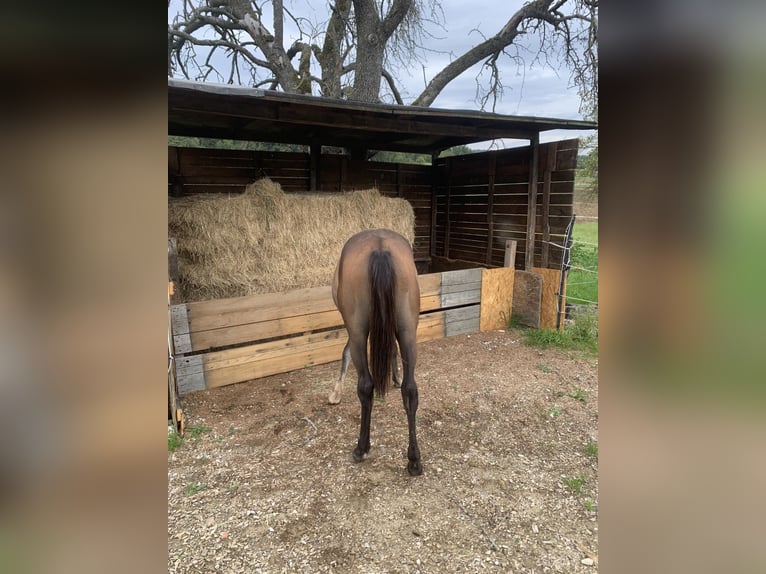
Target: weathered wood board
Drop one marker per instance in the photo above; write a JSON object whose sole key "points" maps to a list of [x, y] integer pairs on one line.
{"points": [[276, 333], [549, 300], [527, 298], [496, 298]]}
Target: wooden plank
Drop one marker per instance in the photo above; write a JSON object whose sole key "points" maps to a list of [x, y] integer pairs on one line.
{"points": [[229, 368], [551, 280], [496, 298], [257, 369], [240, 319], [179, 320], [189, 374], [235, 334], [550, 165], [509, 259], [262, 307], [527, 298], [462, 320], [279, 350], [461, 276]]}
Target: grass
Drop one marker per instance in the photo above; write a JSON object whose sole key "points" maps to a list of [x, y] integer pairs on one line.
{"points": [[575, 484], [589, 505], [591, 449], [579, 395], [195, 487], [174, 441], [554, 412], [544, 368], [582, 286], [196, 432], [581, 335]]}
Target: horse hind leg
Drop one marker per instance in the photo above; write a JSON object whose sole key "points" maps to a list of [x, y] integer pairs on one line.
{"points": [[364, 391], [335, 395], [410, 400], [396, 372]]}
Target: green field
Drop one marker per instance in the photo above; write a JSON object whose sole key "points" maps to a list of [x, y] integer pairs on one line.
{"points": [[582, 286]]}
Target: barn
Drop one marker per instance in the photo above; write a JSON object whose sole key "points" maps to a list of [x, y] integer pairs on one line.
{"points": [[499, 210]]}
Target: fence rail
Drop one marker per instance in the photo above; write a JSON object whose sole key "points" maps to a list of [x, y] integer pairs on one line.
{"points": [[228, 341]]}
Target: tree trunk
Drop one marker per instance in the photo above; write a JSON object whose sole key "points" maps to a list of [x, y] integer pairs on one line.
{"points": [[372, 35], [331, 57], [370, 46]]}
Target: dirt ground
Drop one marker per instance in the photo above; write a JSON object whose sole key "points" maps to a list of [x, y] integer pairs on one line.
{"points": [[265, 481]]}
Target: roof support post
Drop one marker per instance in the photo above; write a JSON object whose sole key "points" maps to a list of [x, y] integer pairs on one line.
{"points": [[315, 151], [434, 187], [534, 152]]}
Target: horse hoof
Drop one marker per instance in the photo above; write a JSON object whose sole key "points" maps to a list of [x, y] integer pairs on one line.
{"points": [[415, 468], [358, 455], [333, 399]]}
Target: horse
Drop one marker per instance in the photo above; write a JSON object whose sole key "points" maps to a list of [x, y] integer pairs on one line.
{"points": [[376, 290]]}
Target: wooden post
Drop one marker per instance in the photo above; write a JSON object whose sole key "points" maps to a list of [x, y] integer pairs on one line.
{"points": [[510, 253], [174, 172], [174, 403], [534, 151], [492, 160], [446, 222], [315, 150], [434, 188], [550, 165]]}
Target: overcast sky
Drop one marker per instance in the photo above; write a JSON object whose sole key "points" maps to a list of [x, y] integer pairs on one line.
{"points": [[534, 89]]}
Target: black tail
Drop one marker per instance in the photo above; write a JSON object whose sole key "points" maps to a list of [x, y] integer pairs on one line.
{"points": [[382, 319]]}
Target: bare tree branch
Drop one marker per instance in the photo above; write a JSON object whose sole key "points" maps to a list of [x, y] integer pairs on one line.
{"points": [[366, 41]]}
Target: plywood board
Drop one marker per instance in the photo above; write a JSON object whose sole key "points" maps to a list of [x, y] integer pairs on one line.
{"points": [[527, 298], [549, 302], [496, 297]]}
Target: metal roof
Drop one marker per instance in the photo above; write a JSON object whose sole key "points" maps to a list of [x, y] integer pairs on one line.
{"points": [[240, 113]]}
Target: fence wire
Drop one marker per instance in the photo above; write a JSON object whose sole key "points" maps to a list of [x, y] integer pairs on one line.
{"points": [[567, 265]]}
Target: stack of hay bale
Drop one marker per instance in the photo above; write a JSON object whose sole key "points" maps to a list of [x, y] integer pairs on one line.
{"points": [[265, 241]]}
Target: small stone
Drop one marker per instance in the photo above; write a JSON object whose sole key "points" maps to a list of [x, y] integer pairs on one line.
{"points": [[224, 535], [587, 561]]}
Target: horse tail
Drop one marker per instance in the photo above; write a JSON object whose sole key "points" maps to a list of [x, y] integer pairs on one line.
{"points": [[382, 319]]}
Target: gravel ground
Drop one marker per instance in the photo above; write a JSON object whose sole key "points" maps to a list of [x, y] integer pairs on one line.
{"points": [[264, 480]]}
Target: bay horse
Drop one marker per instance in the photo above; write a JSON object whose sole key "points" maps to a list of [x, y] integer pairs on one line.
{"points": [[376, 290]]}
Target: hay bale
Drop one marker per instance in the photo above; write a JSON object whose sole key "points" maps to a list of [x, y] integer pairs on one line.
{"points": [[265, 241]]}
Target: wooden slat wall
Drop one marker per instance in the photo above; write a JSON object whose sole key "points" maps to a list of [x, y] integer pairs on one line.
{"points": [[232, 340], [471, 224], [481, 199], [195, 170]]}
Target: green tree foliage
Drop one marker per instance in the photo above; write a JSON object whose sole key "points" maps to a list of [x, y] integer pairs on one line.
{"points": [[183, 141], [419, 158]]}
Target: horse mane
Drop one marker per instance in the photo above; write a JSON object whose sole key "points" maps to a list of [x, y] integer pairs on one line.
{"points": [[382, 318]]}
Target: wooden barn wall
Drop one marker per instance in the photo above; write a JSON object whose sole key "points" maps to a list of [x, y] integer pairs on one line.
{"points": [[197, 170], [482, 199]]}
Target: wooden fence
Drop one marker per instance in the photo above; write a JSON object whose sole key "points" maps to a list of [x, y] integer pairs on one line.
{"points": [[227, 341]]}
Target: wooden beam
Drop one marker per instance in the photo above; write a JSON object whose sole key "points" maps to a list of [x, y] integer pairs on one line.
{"points": [[550, 166], [434, 187], [534, 152], [492, 165], [447, 184], [510, 253], [315, 151]]}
